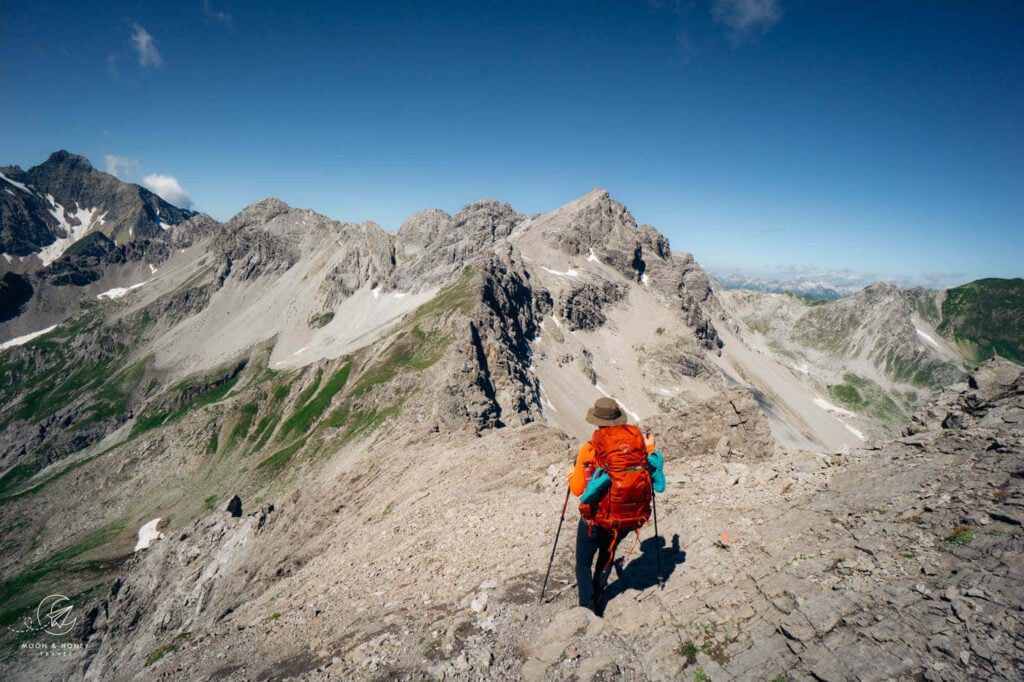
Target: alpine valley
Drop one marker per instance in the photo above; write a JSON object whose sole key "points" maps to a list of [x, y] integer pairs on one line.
{"points": [[286, 447]]}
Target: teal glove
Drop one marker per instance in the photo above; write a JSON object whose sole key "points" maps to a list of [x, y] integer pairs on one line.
{"points": [[657, 462], [596, 488]]}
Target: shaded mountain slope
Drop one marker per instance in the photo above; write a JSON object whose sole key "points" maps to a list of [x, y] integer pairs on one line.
{"points": [[46, 208], [69, 233]]}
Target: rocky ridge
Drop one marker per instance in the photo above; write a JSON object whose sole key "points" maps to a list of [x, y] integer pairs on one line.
{"points": [[389, 399], [803, 565]]}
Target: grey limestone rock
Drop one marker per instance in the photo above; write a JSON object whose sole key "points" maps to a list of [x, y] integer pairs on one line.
{"points": [[503, 323], [432, 246], [585, 306], [733, 415], [607, 227], [366, 257]]}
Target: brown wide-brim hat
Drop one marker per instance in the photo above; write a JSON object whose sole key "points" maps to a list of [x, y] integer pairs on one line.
{"points": [[605, 412]]}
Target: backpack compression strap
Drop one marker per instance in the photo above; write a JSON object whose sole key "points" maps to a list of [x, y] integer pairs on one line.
{"points": [[615, 542]]}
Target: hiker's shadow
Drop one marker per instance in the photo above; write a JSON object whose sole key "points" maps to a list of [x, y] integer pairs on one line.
{"points": [[642, 572]]}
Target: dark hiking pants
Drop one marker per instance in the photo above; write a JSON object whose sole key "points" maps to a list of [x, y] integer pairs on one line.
{"points": [[591, 576]]}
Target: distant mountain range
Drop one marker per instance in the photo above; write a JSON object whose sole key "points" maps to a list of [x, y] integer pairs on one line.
{"points": [[818, 284], [815, 288]]}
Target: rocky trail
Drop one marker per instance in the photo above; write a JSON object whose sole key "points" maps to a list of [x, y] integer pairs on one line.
{"points": [[896, 561]]}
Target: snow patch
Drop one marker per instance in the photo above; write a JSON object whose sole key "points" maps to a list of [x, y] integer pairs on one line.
{"points": [[152, 269], [839, 412], [803, 369], [8, 257], [148, 534], [540, 329], [17, 184], [854, 431], [21, 340], [8, 190], [927, 338], [546, 401], [376, 292], [568, 273], [645, 280], [592, 257], [555, 320], [118, 292], [400, 294], [87, 219], [631, 413], [826, 405], [300, 351]]}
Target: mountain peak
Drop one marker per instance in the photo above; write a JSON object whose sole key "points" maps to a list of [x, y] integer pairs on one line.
{"points": [[268, 204], [63, 157], [259, 212], [595, 197], [882, 288]]}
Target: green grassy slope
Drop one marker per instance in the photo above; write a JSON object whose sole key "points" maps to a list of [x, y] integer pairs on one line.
{"points": [[986, 318]]}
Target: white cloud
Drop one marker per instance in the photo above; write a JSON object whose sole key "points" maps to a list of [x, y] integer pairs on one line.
{"points": [[124, 169], [168, 188], [746, 19], [216, 14], [145, 46]]}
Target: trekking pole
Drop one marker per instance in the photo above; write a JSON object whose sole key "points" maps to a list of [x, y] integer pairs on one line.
{"points": [[657, 538], [557, 533]]}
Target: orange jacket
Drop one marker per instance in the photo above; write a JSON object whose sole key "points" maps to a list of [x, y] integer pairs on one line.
{"points": [[578, 475]]}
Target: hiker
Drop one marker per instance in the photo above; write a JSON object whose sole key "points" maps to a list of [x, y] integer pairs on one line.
{"points": [[615, 475]]}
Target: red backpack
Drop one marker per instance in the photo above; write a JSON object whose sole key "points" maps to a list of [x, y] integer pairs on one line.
{"points": [[622, 452]]}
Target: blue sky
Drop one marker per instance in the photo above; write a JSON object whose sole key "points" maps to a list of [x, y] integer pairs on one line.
{"points": [[875, 137]]}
